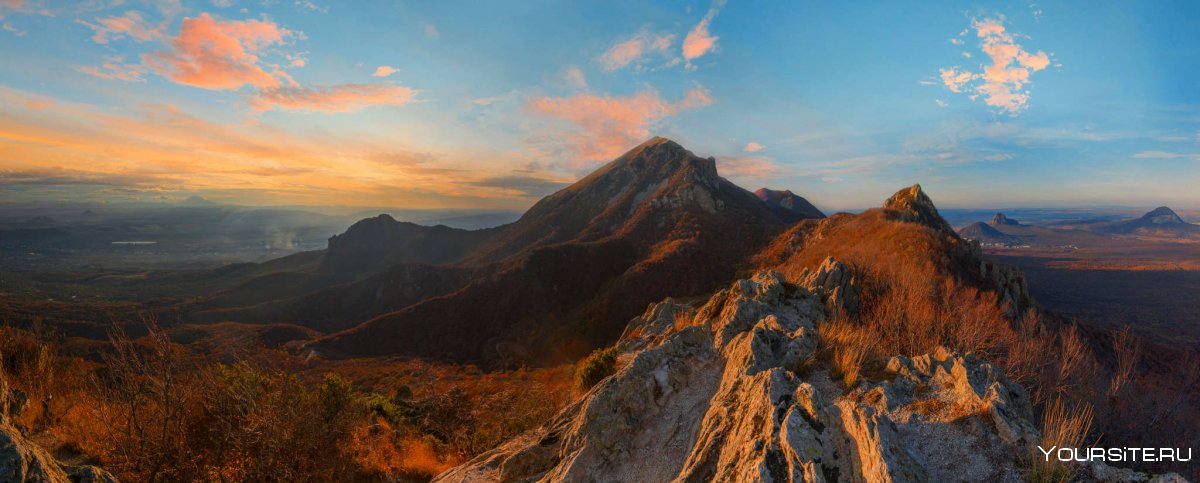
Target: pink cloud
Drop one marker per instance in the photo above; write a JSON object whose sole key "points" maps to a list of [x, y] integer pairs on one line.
{"points": [[753, 147], [627, 52], [1001, 84], [607, 126], [219, 55], [114, 69], [384, 71], [332, 99], [131, 24], [699, 41], [754, 167]]}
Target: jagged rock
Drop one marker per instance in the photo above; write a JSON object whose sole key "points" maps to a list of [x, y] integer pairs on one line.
{"points": [[834, 282], [914, 205], [1010, 280], [729, 392], [23, 461]]}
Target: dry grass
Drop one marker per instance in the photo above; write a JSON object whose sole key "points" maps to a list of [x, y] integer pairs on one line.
{"points": [[847, 346], [1062, 427], [1126, 350]]}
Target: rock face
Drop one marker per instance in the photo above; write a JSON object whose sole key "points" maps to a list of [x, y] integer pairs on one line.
{"points": [[733, 391], [23, 461], [1011, 281]]}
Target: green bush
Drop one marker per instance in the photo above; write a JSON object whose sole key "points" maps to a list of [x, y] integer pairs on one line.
{"points": [[599, 364]]}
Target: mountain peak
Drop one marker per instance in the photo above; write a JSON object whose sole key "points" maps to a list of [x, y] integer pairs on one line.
{"points": [[1000, 220], [915, 205], [1163, 216]]}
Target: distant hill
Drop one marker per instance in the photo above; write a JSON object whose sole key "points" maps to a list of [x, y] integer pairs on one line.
{"points": [[788, 205], [1000, 220], [1161, 222], [984, 233]]}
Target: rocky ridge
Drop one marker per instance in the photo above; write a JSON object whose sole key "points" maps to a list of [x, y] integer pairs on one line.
{"points": [[729, 391]]}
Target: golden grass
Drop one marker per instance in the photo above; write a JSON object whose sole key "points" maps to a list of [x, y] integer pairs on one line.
{"points": [[847, 346], [1063, 426]]}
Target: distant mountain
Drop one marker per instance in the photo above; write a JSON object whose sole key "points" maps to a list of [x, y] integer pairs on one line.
{"points": [[656, 222], [381, 241], [1001, 220], [1159, 222], [197, 200], [984, 233], [787, 205]]}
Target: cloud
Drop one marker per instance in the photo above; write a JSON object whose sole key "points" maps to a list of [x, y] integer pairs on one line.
{"points": [[698, 40], [753, 147], [114, 68], [132, 24], [431, 31], [218, 55], [747, 167], [332, 99], [574, 78], [523, 184], [634, 50], [606, 126], [384, 71], [1001, 84], [1166, 155]]}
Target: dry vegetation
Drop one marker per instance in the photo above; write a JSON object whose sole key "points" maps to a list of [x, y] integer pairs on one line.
{"points": [[919, 294], [152, 410]]}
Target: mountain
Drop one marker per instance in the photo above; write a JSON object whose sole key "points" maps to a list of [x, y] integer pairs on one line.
{"points": [[381, 241], [714, 392], [1161, 222], [984, 233], [658, 221], [787, 205], [750, 384], [1000, 220]]}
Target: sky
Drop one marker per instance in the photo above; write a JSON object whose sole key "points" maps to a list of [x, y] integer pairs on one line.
{"points": [[492, 105]]}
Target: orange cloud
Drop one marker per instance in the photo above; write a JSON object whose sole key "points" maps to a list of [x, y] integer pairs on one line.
{"points": [[1002, 83], [384, 71], [114, 69], [132, 25], [753, 147], [339, 98], [627, 52], [219, 55], [606, 126], [699, 41]]}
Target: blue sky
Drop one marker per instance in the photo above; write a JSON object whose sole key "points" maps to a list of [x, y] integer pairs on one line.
{"points": [[449, 104]]}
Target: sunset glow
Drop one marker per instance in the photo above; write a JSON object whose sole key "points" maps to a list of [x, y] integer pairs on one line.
{"points": [[430, 106]]}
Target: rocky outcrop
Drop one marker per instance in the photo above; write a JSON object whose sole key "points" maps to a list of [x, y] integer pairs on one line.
{"points": [[733, 390], [912, 204], [1010, 281], [835, 284], [23, 461]]}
